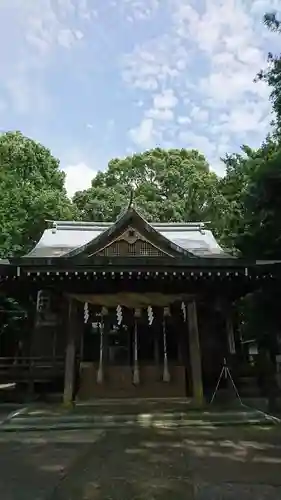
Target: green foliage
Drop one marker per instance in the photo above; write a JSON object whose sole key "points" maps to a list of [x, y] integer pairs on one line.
{"points": [[32, 190], [260, 318], [234, 186], [260, 236], [272, 74], [242, 187], [11, 317], [169, 185]]}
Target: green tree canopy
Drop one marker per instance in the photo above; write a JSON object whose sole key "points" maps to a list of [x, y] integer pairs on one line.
{"points": [[32, 190], [169, 185], [272, 74], [240, 186], [260, 231]]}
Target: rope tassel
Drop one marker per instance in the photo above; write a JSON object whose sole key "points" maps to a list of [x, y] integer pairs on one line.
{"points": [[166, 373], [100, 369], [136, 374]]}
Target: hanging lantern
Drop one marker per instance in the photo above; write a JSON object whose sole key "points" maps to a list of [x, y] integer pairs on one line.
{"points": [[86, 312], [119, 315], [183, 308], [150, 315]]}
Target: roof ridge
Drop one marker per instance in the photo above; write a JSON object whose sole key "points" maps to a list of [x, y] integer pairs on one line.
{"points": [[69, 223]]}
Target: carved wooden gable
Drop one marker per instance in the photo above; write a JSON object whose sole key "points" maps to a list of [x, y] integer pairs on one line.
{"points": [[129, 244], [129, 236]]}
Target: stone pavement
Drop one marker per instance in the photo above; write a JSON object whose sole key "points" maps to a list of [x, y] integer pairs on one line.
{"points": [[223, 463]]}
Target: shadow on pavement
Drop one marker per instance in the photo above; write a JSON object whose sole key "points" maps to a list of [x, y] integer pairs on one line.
{"points": [[151, 464]]}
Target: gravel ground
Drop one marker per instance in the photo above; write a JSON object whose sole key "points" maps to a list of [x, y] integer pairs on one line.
{"points": [[152, 464]]}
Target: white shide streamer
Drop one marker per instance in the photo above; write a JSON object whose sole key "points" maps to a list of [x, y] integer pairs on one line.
{"points": [[183, 308], [150, 315], [119, 315], [100, 369], [86, 312]]}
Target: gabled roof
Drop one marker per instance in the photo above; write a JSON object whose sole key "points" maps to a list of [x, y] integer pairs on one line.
{"points": [[69, 239]]}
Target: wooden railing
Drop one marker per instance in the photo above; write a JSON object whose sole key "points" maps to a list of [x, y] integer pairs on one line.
{"points": [[36, 369]]}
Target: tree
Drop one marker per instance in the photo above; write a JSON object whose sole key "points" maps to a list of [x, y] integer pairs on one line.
{"points": [[260, 236], [238, 187], [251, 186], [169, 185], [272, 74], [234, 186], [32, 190], [258, 230]]}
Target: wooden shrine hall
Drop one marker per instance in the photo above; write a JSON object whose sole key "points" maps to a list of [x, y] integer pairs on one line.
{"points": [[126, 309]]}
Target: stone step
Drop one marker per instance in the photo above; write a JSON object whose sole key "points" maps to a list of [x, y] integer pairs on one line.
{"points": [[72, 420]]}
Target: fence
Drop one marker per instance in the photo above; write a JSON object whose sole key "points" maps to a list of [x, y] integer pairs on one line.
{"points": [[30, 369]]}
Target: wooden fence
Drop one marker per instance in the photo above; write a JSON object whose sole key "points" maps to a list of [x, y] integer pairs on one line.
{"points": [[30, 369]]}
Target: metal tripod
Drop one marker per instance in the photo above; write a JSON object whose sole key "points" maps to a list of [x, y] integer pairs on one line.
{"points": [[225, 372]]}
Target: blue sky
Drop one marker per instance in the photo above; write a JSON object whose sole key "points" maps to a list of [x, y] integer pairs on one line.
{"points": [[97, 79]]}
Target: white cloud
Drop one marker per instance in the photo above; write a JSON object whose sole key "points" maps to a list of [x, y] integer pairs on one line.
{"points": [[152, 65], [37, 29], [163, 114], [261, 6], [165, 100], [78, 177], [137, 10], [67, 37], [143, 134], [161, 111], [199, 72], [183, 120], [196, 141], [46, 28], [199, 114], [248, 117]]}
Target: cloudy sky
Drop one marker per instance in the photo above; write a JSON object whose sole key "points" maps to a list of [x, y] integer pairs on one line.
{"points": [[96, 79]]}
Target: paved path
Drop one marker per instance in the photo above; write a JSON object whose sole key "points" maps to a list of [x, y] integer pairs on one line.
{"points": [[151, 464]]}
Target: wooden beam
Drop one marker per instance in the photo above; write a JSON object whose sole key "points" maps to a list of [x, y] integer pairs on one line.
{"points": [[195, 355]]}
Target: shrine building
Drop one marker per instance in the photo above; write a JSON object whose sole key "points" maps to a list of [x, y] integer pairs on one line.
{"points": [[127, 309]]}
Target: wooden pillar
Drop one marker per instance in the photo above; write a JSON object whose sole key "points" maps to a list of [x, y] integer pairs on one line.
{"points": [[156, 348], [195, 354], [69, 373], [32, 328]]}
